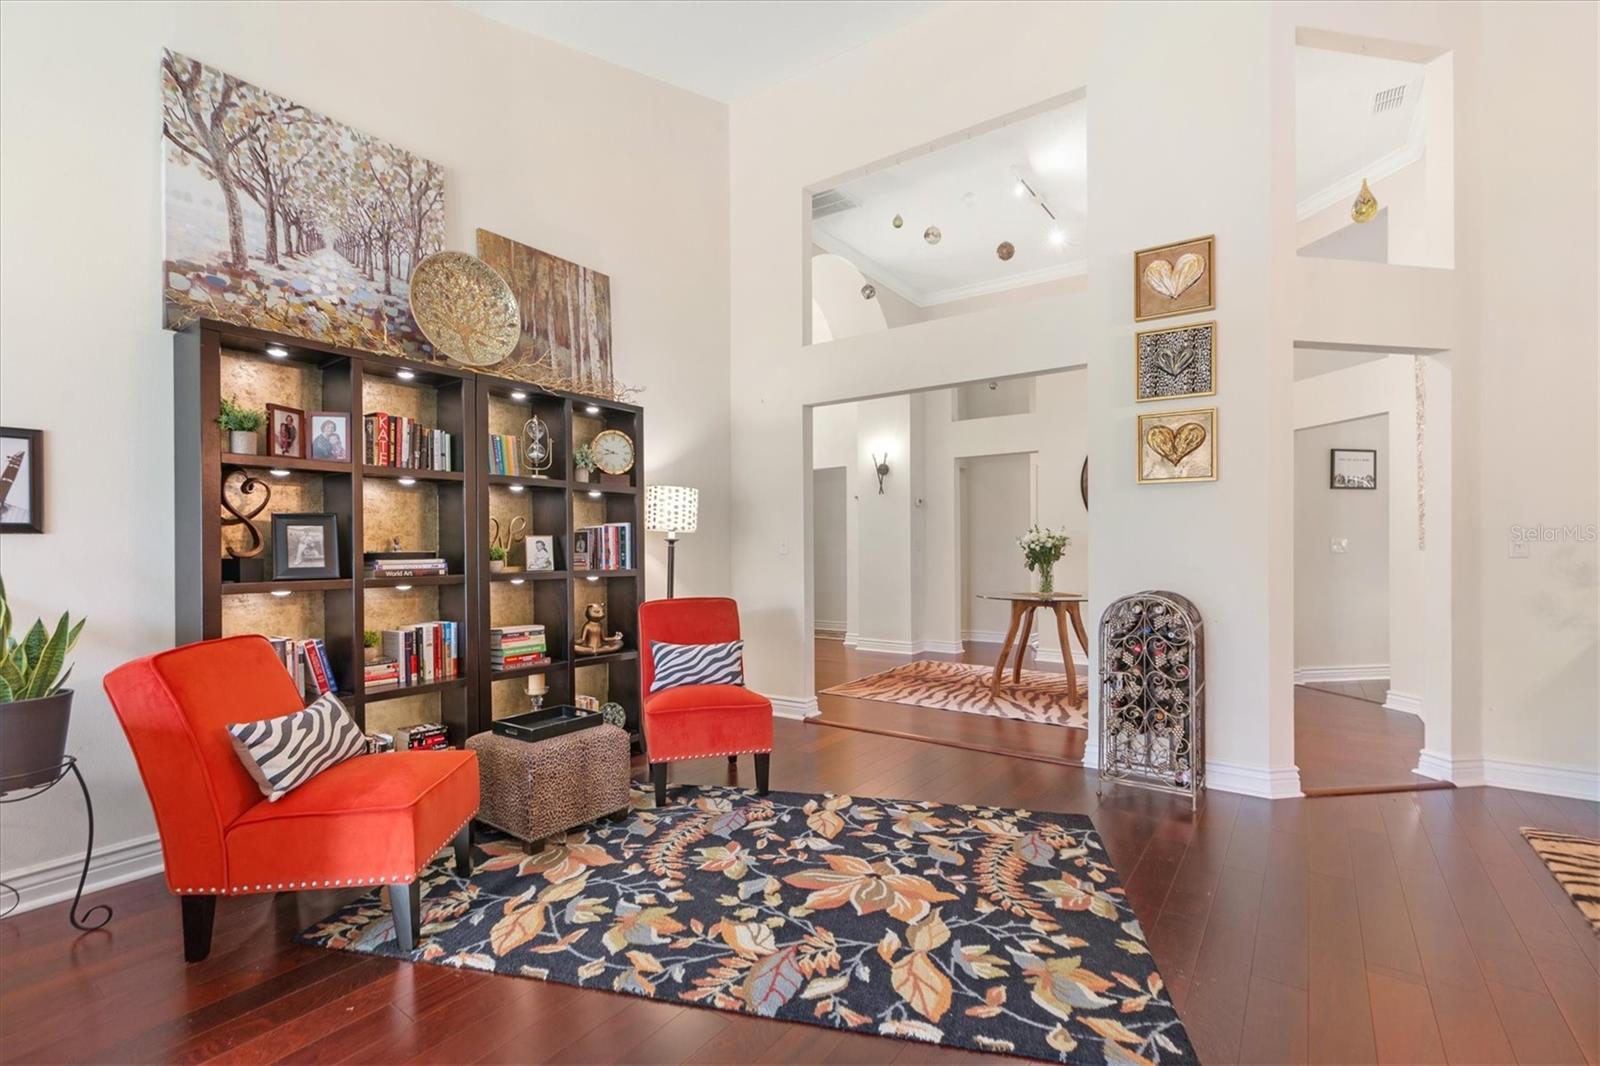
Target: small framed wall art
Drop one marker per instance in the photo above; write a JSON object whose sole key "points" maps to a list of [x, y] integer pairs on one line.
{"points": [[1176, 446], [541, 551], [305, 546], [1174, 362], [286, 432], [1352, 468], [21, 480], [330, 435], [1175, 279]]}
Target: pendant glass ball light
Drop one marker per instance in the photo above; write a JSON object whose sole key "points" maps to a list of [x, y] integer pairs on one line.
{"points": [[897, 222], [932, 235], [1365, 207], [1005, 250], [868, 292]]}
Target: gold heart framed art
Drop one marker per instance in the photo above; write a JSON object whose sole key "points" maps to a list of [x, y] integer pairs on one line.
{"points": [[1178, 446], [1175, 279]]}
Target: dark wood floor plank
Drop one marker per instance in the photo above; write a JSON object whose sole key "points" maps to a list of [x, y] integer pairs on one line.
{"points": [[1340, 1027], [1534, 1025], [1403, 1025]]}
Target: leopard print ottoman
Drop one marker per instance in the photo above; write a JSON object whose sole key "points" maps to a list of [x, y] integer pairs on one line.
{"points": [[535, 790]]}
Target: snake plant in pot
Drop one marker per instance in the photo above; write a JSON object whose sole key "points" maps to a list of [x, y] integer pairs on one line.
{"points": [[34, 707]]}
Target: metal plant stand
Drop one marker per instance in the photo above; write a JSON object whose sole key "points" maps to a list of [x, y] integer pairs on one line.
{"points": [[1152, 694], [86, 921]]}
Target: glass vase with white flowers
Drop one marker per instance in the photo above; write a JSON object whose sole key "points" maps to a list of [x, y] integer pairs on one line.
{"points": [[1041, 550]]}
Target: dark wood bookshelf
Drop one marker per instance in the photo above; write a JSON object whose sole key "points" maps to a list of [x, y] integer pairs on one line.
{"points": [[468, 406]]}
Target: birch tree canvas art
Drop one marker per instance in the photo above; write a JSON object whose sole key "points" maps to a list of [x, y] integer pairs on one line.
{"points": [[283, 219], [566, 318]]}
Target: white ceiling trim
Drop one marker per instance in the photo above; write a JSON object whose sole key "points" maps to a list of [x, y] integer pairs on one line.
{"points": [[1384, 166], [1071, 269], [867, 265]]}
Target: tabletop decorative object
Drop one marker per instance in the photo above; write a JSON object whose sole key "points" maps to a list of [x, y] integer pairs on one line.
{"points": [[1152, 694], [465, 309], [1041, 551]]}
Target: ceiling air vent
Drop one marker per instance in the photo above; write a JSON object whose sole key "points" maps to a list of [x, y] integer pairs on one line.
{"points": [[831, 202], [1389, 100]]}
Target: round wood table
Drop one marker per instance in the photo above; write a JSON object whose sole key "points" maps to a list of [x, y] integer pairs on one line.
{"points": [[1023, 606]]}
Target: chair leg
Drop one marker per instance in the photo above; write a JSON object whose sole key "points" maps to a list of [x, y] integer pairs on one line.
{"points": [[463, 849], [733, 762], [198, 915], [658, 776], [763, 764], [406, 903]]}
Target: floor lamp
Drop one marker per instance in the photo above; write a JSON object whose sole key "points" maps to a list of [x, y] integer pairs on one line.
{"points": [[671, 509]]}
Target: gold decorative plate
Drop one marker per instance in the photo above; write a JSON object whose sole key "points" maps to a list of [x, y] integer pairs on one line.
{"points": [[465, 309]]}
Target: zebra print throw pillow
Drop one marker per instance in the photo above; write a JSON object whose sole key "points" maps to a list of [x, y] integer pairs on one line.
{"points": [[697, 664], [284, 753]]}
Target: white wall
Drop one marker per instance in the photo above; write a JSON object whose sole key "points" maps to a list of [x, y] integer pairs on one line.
{"points": [[1341, 617], [831, 515], [542, 144], [996, 503]]}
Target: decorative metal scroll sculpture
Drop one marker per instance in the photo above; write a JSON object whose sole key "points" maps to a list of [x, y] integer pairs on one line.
{"points": [[236, 516], [537, 454], [1152, 694]]}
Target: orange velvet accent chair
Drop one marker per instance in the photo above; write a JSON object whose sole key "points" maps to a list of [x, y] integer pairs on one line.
{"points": [[699, 721], [371, 820]]}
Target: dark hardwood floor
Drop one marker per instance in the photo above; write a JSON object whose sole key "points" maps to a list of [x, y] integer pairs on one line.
{"points": [[1348, 743], [1409, 927]]}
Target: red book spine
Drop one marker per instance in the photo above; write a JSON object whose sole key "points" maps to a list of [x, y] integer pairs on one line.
{"points": [[314, 661]]}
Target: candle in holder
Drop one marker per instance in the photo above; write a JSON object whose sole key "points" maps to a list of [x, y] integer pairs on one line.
{"points": [[537, 687]]}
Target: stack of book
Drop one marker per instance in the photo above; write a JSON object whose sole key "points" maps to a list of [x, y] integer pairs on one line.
{"points": [[513, 647], [380, 672], [423, 653], [426, 735], [607, 547], [308, 663], [505, 454], [404, 564], [395, 440]]}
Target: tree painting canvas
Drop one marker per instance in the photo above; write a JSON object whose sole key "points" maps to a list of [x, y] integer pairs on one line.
{"points": [[282, 219], [566, 318]]}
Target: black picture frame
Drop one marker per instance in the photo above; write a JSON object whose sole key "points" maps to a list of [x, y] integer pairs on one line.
{"points": [[1334, 481], [284, 527], [32, 463]]}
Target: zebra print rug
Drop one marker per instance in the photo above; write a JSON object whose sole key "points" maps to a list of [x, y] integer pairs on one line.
{"points": [[1575, 864], [1041, 697]]}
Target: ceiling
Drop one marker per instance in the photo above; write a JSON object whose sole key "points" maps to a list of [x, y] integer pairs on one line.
{"points": [[1338, 137], [718, 49], [969, 190]]}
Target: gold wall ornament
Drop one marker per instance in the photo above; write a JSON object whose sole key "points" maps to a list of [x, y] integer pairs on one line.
{"points": [[1172, 280], [246, 486], [1174, 445], [1365, 207], [465, 309]]}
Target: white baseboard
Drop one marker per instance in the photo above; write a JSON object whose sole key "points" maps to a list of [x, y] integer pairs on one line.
{"points": [[1551, 779], [943, 647], [885, 647], [1091, 753], [994, 636], [54, 880], [797, 707], [825, 628], [1404, 702], [851, 639], [1282, 782], [1052, 657], [1356, 672]]}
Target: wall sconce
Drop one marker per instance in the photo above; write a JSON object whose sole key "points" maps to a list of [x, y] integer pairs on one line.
{"points": [[882, 468]]}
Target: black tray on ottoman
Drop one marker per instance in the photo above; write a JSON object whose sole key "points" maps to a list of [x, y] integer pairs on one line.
{"points": [[546, 723]]}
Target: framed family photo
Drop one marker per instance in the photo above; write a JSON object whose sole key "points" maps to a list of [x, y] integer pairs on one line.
{"points": [[1352, 468], [330, 435], [305, 546], [541, 552], [21, 481], [286, 432]]}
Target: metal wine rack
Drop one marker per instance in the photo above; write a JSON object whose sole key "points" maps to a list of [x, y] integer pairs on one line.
{"points": [[1152, 694]]}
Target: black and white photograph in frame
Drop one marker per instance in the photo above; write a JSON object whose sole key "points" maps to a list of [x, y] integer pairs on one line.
{"points": [[541, 552], [1352, 468], [305, 546], [1174, 362], [21, 480]]}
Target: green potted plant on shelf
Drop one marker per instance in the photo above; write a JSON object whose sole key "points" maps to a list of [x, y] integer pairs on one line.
{"points": [[34, 708], [1041, 550], [497, 559], [369, 645], [583, 462], [243, 426]]}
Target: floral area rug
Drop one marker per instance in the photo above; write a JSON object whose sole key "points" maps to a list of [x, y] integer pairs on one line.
{"points": [[964, 687], [975, 927]]}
